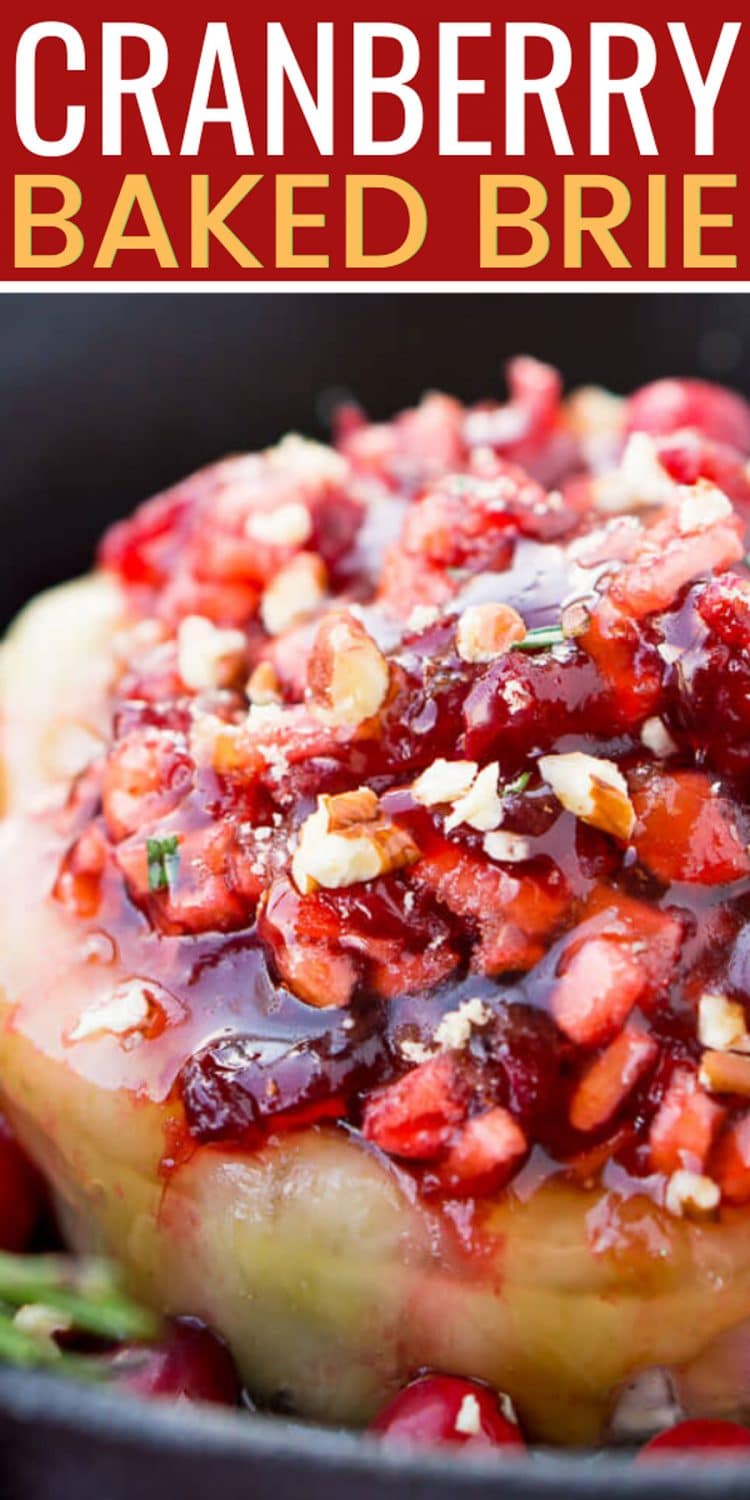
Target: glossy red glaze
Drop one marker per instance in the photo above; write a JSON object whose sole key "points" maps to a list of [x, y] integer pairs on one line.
{"points": [[275, 1006], [441, 1409]]}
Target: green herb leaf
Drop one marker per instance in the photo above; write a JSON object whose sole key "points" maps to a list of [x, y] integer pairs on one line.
{"points": [[87, 1291], [163, 857], [540, 639], [27, 1352], [519, 785], [89, 1295]]}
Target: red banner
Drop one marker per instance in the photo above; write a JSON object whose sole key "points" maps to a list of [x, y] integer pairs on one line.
{"points": [[255, 144]]}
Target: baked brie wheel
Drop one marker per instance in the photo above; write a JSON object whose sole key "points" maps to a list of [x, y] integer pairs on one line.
{"points": [[373, 955]]}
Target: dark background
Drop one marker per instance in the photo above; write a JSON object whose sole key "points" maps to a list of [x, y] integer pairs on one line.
{"points": [[106, 398]]}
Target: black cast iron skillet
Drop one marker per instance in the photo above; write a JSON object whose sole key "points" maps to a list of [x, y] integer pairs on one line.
{"points": [[103, 400], [61, 1442]]}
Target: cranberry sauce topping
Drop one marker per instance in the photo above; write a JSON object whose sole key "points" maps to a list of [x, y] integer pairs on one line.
{"points": [[446, 831]]}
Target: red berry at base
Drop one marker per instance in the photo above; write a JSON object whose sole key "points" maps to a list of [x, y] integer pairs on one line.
{"points": [[707, 1436], [191, 1364], [20, 1192], [438, 1409]]}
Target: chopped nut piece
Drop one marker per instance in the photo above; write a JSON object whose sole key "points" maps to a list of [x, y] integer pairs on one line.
{"points": [[350, 808], [350, 854], [295, 593], [721, 1023], [444, 781], [575, 620], [592, 789], [455, 1028], [487, 630], [287, 526], [482, 806], [422, 616], [468, 1418], [331, 860], [591, 411], [314, 462], [263, 686], [507, 847], [208, 657], [414, 1052], [215, 743], [347, 674], [42, 1321], [126, 1009], [265, 715], [229, 747], [702, 506], [639, 482], [690, 1195], [725, 1073], [656, 737]]}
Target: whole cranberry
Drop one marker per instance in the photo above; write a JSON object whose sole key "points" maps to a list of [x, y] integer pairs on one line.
{"points": [[666, 406], [714, 1438], [20, 1192], [524, 1046], [190, 1364], [437, 1409]]}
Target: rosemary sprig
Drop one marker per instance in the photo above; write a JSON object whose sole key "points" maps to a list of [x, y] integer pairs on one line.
{"points": [[28, 1351], [540, 638], [519, 785], [88, 1292], [163, 856]]}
